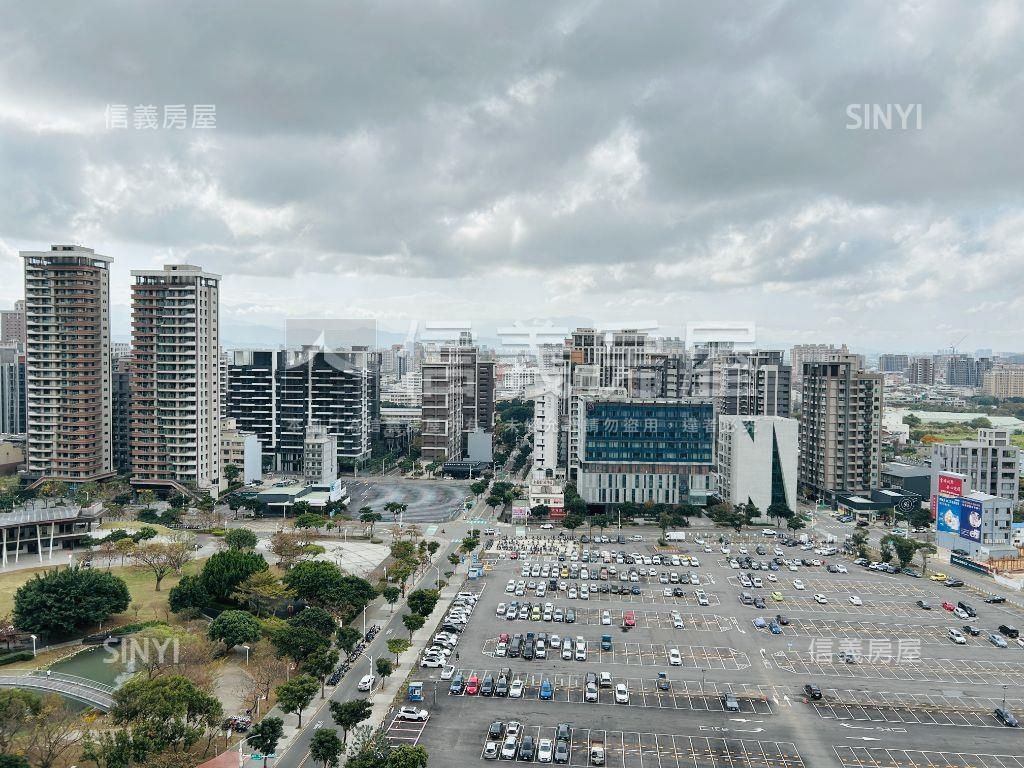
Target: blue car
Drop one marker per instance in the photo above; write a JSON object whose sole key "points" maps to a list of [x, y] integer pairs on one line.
{"points": [[775, 628], [759, 623], [546, 690]]}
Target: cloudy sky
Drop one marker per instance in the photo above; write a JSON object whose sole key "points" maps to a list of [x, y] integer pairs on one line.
{"points": [[495, 161]]}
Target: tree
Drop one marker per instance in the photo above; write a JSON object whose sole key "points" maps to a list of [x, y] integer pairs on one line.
{"points": [[231, 472], [164, 557], [432, 547], [367, 515], [170, 710], [125, 548], [391, 595], [261, 591], [298, 642], [384, 667], [572, 522], [325, 747], [265, 735], [53, 732], [13, 761], [347, 638], [62, 600], [316, 619], [296, 694], [241, 539], [398, 646], [310, 520], [224, 571], [315, 581], [885, 550], [422, 601], [796, 522], [924, 549], [904, 549], [234, 628], [17, 708], [188, 594], [859, 539], [289, 546], [320, 665], [779, 511], [146, 498], [412, 622], [349, 714], [407, 756]]}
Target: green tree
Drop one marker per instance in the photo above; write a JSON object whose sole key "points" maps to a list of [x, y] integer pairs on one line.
{"points": [[796, 522], [423, 601], [572, 522], [391, 595], [164, 557], [664, 521], [432, 547], [147, 498], [171, 710], [63, 600], [412, 622], [320, 665], [298, 642], [261, 591], [924, 549], [224, 571], [241, 539], [407, 756], [384, 667], [310, 520], [17, 709], [347, 638], [13, 761], [296, 694], [859, 539], [905, 549], [779, 511], [885, 550], [188, 594], [231, 472], [349, 714], [325, 747], [367, 515], [398, 646], [265, 736], [234, 628], [316, 619]]}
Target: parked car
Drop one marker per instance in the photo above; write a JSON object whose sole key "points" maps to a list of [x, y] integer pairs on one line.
{"points": [[411, 713]]}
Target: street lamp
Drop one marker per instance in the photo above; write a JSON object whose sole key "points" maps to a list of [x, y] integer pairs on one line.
{"points": [[1004, 697], [34, 638], [246, 649]]}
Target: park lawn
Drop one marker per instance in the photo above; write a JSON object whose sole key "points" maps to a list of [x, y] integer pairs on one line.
{"points": [[141, 585], [1017, 438], [134, 525]]}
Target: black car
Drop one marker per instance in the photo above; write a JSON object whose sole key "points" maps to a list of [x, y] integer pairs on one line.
{"points": [[954, 583], [1010, 631], [528, 650], [487, 687], [570, 616], [759, 603], [496, 731], [783, 621], [1006, 717], [813, 692], [663, 684], [995, 599], [458, 685], [972, 630], [924, 605], [526, 748]]}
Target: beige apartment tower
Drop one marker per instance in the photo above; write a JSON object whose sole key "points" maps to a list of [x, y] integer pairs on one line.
{"points": [[174, 427], [67, 365]]}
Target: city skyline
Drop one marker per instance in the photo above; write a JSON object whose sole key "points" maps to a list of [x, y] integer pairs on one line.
{"points": [[491, 164]]}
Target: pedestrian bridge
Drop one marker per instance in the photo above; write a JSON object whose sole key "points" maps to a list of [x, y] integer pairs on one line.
{"points": [[77, 688]]}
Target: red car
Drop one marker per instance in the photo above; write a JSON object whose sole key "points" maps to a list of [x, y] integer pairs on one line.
{"points": [[948, 606], [473, 686], [629, 620], [503, 637], [513, 556]]}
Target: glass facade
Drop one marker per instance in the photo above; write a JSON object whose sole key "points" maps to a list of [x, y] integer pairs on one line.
{"points": [[651, 432]]}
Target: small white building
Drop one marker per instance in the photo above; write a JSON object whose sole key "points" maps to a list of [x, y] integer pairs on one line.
{"points": [[757, 460], [319, 456], [242, 449]]}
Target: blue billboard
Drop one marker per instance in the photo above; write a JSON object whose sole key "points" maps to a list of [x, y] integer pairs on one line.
{"points": [[947, 519], [970, 520]]}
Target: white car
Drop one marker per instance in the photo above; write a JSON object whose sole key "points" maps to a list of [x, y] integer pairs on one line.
{"points": [[734, 564], [411, 713], [433, 662], [772, 577], [960, 613], [821, 599], [677, 622], [491, 750], [798, 584], [447, 672], [621, 694], [515, 691], [509, 748], [366, 683], [743, 550], [667, 592], [674, 658], [854, 600], [793, 567], [544, 750], [957, 636], [547, 527], [606, 618], [840, 568]]}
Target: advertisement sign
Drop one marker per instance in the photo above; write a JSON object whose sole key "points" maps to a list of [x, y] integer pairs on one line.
{"points": [[948, 508], [520, 512], [934, 507], [970, 520], [950, 485]]}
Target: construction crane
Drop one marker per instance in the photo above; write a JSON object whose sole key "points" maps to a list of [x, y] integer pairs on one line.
{"points": [[952, 347]]}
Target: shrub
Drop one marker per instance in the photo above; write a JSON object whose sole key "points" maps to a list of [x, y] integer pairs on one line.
{"points": [[11, 658]]}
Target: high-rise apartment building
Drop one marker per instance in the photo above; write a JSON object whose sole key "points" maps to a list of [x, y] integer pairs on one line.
{"points": [[840, 427], [121, 393], [175, 378], [616, 353], [741, 382], [277, 395], [812, 353], [67, 364], [991, 463], [961, 371], [12, 324], [921, 371], [1003, 380], [458, 397], [892, 363], [12, 389]]}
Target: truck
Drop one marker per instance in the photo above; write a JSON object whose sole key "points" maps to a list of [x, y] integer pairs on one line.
{"points": [[675, 536], [597, 753]]}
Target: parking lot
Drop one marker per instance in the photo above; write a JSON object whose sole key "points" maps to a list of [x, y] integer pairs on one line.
{"points": [[911, 708], [927, 634], [835, 587], [880, 757], [633, 749], [961, 671], [698, 622], [404, 731], [656, 655]]}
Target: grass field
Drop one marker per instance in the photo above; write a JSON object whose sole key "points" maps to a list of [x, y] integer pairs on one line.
{"points": [[149, 603], [1017, 439]]}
